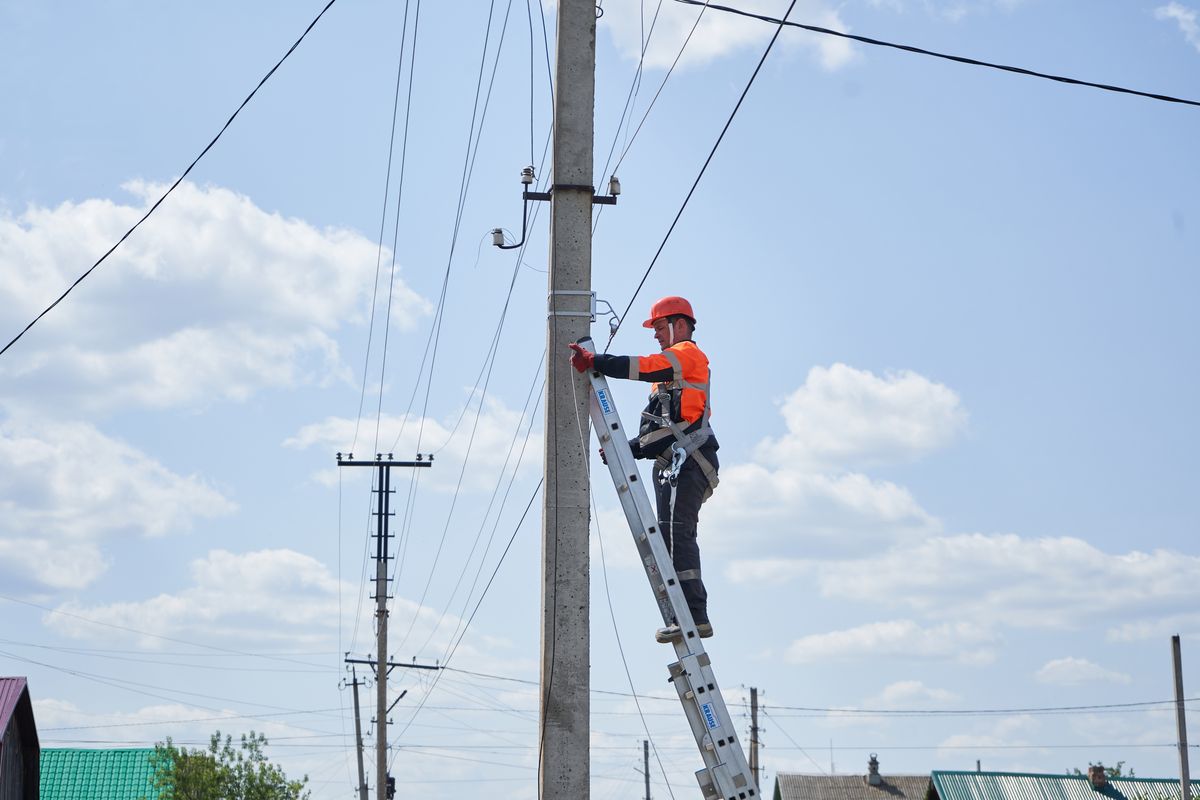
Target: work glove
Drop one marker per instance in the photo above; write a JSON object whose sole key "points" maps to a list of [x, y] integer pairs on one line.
{"points": [[582, 360]]}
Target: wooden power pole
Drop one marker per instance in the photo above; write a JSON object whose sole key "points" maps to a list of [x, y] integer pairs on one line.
{"points": [[358, 741], [383, 515], [754, 735], [563, 771], [1185, 780]]}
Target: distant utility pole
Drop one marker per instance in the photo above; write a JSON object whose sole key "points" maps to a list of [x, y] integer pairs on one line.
{"points": [[383, 514], [563, 771], [646, 764], [358, 739], [1185, 781], [754, 734]]}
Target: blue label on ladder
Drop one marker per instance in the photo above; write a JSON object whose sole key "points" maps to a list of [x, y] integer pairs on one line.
{"points": [[710, 717], [605, 405]]}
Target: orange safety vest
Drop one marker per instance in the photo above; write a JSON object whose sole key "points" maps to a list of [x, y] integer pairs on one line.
{"points": [[688, 368]]}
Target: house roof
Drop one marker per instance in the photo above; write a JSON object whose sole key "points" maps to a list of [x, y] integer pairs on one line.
{"points": [[800, 786], [86, 774], [1029, 786], [14, 700]]}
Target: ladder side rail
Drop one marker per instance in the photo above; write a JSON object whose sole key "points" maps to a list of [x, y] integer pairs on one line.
{"points": [[726, 775], [642, 518]]}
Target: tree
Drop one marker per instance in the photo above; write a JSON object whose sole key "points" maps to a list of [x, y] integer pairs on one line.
{"points": [[222, 772], [1110, 772]]}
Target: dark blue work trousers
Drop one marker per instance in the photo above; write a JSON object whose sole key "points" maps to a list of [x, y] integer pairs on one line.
{"points": [[680, 537]]}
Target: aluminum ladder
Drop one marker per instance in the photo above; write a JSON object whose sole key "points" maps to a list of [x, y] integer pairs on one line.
{"points": [[726, 775]]}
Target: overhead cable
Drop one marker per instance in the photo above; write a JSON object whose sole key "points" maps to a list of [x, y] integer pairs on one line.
{"points": [[707, 161], [178, 180], [1166, 98]]}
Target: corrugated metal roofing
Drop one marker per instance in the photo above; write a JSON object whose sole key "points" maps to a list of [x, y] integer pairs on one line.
{"points": [[1028, 786], [798, 786], [11, 690], [88, 774]]}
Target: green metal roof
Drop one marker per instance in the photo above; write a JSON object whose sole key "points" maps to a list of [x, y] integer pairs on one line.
{"points": [[81, 774], [1028, 786]]}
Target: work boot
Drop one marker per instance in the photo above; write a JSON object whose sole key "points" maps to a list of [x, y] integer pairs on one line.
{"points": [[672, 632], [668, 634]]}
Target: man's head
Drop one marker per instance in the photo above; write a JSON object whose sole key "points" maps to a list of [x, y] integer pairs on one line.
{"points": [[672, 320], [673, 329]]}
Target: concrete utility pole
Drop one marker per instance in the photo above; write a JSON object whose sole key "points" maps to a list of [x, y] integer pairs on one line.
{"points": [[1185, 781], [563, 773], [754, 734], [383, 514]]}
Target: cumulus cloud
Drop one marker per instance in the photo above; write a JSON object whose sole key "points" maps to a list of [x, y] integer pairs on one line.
{"points": [[260, 596], [65, 487], [1075, 671], [1184, 17], [845, 416], [1056, 583], [910, 694], [494, 446], [897, 639], [789, 513], [720, 34], [213, 297], [797, 498]]}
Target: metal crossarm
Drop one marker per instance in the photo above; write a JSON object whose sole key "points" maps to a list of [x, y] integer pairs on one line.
{"points": [[726, 774]]}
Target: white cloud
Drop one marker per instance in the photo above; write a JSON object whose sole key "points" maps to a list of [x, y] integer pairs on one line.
{"points": [[897, 639], [64, 487], [212, 297], [493, 446], [1005, 732], [1185, 18], [260, 596], [720, 34], [910, 694], [1006, 580], [1075, 671], [847, 416], [785, 512]]}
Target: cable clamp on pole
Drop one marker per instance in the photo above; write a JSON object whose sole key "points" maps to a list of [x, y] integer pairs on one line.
{"points": [[554, 312]]}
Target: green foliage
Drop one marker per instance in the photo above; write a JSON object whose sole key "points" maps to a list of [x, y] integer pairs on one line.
{"points": [[1111, 772], [222, 772]]}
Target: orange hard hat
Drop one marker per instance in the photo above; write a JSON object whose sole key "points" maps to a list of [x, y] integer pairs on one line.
{"points": [[669, 307]]}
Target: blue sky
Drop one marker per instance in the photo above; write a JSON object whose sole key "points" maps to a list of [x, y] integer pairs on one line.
{"points": [[950, 312]]}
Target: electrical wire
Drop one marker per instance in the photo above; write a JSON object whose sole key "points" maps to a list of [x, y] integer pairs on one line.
{"points": [[696, 183], [631, 95], [412, 68], [803, 752], [178, 181], [491, 501], [608, 594], [470, 619], [175, 639], [661, 86], [959, 59], [387, 180]]}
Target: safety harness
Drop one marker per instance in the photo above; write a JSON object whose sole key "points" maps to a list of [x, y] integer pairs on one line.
{"points": [[686, 444]]}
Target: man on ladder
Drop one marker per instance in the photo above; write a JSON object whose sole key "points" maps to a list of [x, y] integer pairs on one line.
{"points": [[675, 433]]}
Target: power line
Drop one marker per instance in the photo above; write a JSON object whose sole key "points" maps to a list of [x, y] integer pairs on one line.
{"points": [[976, 712], [960, 59], [707, 161], [178, 180], [175, 639], [387, 181]]}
